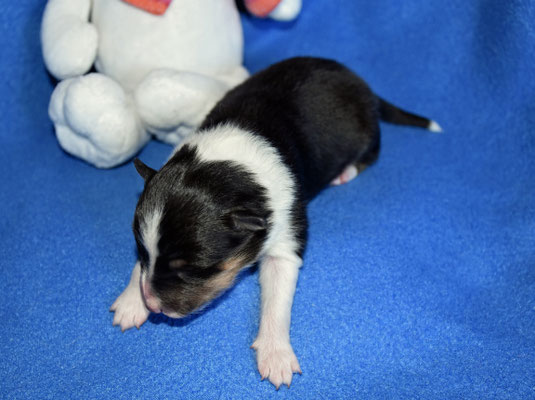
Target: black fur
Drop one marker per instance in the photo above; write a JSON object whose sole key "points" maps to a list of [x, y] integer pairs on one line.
{"points": [[212, 211], [316, 113], [390, 113]]}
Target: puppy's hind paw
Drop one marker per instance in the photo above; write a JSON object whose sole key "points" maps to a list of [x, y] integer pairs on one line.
{"points": [[349, 173]]}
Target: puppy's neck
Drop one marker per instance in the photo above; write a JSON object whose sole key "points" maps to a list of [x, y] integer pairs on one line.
{"points": [[255, 154]]}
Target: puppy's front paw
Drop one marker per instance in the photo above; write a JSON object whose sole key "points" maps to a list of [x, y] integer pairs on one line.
{"points": [[129, 309], [276, 361]]}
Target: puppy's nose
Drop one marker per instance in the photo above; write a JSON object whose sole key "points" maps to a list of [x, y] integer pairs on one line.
{"points": [[150, 301]]}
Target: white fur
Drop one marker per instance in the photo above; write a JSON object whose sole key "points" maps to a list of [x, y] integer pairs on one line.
{"points": [[434, 127], [126, 44], [96, 120], [149, 227], [231, 143], [167, 99], [203, 37], [68, 39], [129, 307], [275, 357], [280, 265], [349, 173]]}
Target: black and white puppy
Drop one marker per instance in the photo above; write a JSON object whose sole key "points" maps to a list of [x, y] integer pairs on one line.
{"points": [[235, 193]]}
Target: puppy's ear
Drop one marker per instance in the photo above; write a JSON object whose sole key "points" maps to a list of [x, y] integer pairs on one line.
{"points": [[144, 170], [244, 221]]}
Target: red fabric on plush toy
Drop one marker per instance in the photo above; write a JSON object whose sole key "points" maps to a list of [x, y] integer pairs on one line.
{"points": [[155, 74], [261, 8], [278, 9], [157, 7]]}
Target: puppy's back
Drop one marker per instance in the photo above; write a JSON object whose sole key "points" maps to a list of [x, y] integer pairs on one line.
{"points": [[316, 112]]}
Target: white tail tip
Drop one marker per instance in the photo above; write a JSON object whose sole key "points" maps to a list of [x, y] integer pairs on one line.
{"points": [[434, 127]]}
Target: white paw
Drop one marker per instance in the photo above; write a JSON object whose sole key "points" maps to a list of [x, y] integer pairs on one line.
{"points": [[276, 361], [349, 173], [129, 309]]}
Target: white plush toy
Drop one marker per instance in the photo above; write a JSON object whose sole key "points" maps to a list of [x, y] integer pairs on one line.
{"points": [[157, 74]]}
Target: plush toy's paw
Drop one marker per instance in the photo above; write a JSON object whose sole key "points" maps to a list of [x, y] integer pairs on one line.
{"points": [[129, 309], [234, 77], [173, 103], [276, 361], [73, 53], [96, 121], [69, 41]]}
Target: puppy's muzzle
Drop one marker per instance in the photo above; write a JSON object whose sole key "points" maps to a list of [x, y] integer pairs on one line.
{"points": [[151, 301]]}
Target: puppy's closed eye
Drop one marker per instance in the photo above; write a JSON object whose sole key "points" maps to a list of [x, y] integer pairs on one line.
{"points": [[181, 269], [177, 263]]}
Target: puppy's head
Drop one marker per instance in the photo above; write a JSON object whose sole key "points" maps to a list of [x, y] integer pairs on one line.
{"points": [[196, 225]]}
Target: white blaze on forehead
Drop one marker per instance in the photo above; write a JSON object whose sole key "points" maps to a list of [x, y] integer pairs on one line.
{"points": [[150, 235], [231, 143]]}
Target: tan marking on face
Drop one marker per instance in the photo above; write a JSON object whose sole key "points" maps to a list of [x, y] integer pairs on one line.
{"points": [[222, 280], [235, 263]]}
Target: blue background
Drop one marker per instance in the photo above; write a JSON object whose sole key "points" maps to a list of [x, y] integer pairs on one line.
{"points": [[419, 278]]}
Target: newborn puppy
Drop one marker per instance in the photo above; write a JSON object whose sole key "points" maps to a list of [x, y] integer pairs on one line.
{"points": [[235, 193]]}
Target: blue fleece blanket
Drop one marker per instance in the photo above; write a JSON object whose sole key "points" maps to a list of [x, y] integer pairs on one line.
{"points": [[419, 278]]}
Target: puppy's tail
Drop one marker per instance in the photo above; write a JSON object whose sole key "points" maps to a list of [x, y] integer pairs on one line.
{"points": [[390, 113]]}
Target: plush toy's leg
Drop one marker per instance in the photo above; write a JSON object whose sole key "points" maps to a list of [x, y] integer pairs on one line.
{"points": [[95, 120], [173, 103], [235, 77]]}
